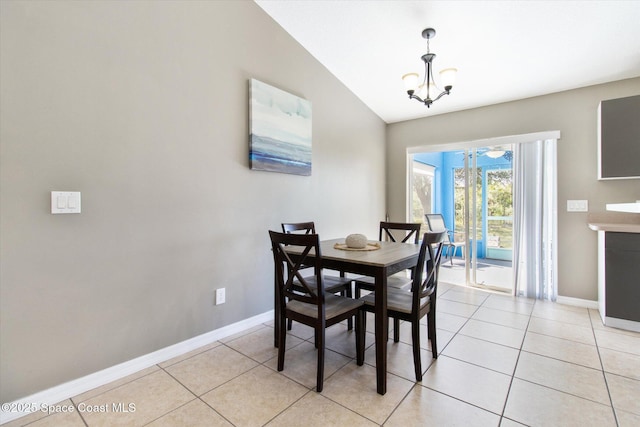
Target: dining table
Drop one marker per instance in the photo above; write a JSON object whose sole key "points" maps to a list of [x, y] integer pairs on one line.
{"points": [[388, 258]]}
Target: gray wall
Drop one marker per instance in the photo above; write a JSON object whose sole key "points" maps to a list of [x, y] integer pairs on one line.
{"points": [[143, 107], [574, 114]]}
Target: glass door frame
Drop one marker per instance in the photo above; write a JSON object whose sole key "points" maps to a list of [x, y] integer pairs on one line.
{"points": [[471, 216], [477, 227], [470, 254]]}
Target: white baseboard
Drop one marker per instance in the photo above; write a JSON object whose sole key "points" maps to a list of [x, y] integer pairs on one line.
{"points": [[628, 325], [73, 388], [578, 302]]}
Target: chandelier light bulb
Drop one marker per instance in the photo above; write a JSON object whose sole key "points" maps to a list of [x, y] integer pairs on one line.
{"points": [[411, 81], [448, 77]]}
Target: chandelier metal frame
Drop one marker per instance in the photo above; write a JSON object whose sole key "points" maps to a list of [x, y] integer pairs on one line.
{"points": [[428, 83]]}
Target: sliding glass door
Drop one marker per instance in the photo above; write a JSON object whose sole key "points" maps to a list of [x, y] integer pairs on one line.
{"points": [[491, 218], [473, 190]]}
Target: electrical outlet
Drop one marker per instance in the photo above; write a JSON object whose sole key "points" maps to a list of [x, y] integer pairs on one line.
{"points": [[220, 296]]}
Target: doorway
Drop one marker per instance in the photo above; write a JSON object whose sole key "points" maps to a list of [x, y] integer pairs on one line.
{"points": [[472, 189], [498, 198]]}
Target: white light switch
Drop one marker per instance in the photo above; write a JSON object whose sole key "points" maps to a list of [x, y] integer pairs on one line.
{"points": [[61, 202], [65, 202], [577, 205]]}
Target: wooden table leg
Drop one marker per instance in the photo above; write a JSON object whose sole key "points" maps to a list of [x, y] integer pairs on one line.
{"points": [[382, 331], [276, 313]]}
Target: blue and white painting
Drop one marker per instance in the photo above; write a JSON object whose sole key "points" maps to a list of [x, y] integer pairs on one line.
{"points": [[280, 134]]}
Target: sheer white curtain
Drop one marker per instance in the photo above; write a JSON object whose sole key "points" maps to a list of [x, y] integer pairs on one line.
{"points": [[534, 222]]}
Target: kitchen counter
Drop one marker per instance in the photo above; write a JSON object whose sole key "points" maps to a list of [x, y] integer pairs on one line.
{"points": [[618, 268], [615, 222]]}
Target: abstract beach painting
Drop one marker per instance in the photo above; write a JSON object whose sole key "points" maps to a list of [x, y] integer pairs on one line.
{"points": [[280, 130]]}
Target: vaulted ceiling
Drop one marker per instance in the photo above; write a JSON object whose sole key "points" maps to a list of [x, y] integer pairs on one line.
{"points": [[503, 50]]}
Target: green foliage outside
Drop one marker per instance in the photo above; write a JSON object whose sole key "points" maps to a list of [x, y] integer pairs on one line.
{"points": [[421, 199], [458, 197], [499, 204]]}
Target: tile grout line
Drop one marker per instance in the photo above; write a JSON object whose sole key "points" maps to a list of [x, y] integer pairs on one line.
{"points": [[572, 363], [452, 338], [515, 366], [287, 408], [415, 384], [209, 390], [311, 389], [79, 413], [193, 393], [462, 401], [606, 382], [468, 318], [455, 333]]}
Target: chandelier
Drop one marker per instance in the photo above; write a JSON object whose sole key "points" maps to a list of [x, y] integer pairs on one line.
{"points": [[428, 88]]}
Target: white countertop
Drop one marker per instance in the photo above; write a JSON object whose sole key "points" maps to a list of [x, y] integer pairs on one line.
{"points": [[615, 222], [624, 207], [615, 227]]}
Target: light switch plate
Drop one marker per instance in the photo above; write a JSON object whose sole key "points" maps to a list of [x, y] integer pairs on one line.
{"points": [[577, 206], [65, 202]]}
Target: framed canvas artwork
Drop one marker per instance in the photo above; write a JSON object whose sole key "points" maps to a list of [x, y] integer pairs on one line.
{"points": [[280, 130]]}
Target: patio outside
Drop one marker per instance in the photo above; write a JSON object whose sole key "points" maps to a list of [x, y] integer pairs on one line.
{"points": [[439, 180]]}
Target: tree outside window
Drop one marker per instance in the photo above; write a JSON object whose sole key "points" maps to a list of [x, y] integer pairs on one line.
{"points": [[500, 207], [459, 185], [423, 177]]}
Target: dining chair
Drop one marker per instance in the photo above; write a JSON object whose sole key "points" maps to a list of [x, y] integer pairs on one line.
{"points": [[332, 284], [436, 223], [305, 300], [398, 280], [420, 301]]}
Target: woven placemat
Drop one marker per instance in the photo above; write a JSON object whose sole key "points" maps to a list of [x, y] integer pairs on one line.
{"points": [[371, 246]]}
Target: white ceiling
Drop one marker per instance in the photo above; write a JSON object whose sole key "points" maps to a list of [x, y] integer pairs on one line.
{"points": [[503, 50]]}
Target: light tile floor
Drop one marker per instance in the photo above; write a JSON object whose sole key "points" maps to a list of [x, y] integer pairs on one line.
{"points": [[503, 362]]}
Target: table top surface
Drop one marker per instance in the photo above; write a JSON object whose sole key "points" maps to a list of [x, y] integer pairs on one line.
{"points": [[390, 253]]}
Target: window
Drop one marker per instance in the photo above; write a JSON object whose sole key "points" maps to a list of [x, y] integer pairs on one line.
{"points": [[422, 198]]}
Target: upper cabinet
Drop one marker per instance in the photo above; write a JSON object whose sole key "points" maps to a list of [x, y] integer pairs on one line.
{"points": [[619, 138]]}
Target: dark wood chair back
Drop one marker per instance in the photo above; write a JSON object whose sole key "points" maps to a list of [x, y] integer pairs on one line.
{"points": [[300, 227], [412, 231], [332, 284], [291, 283], [429, 265], [386, 229]]}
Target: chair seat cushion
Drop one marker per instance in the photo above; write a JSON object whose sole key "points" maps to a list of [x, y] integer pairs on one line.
{"points": [[398, 281], [332, 284], [397, 300], [334, 306]]}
